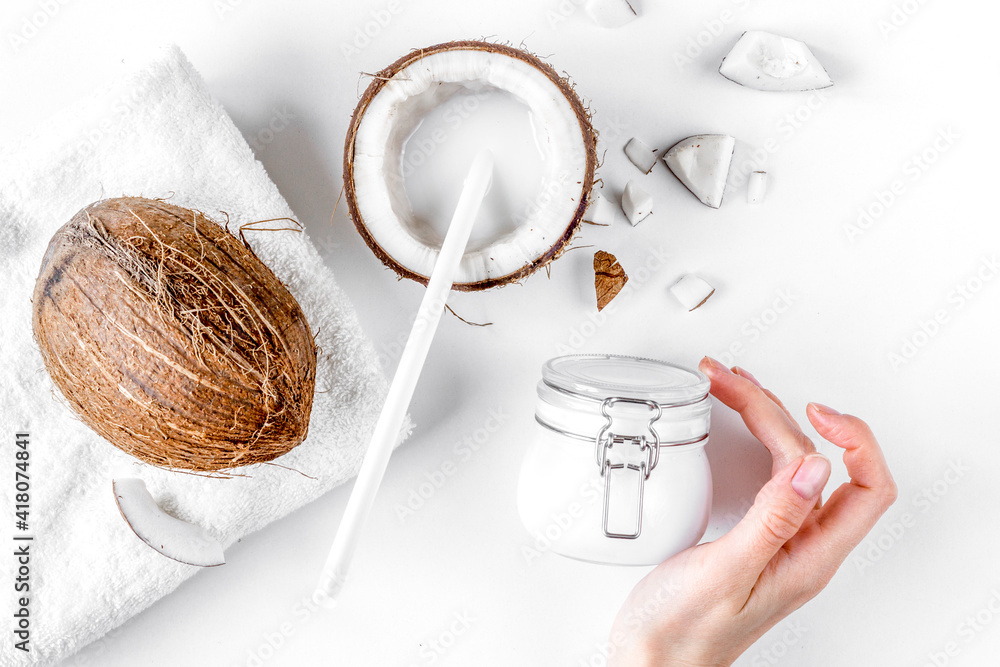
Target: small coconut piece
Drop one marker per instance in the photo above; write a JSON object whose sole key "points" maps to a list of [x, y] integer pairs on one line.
{"points": [[610, 13], [609, 278], [641, 155], [765, 61], [702, 163], [601, 211], [756, 187], [179, 540], [637, 204], [692, 291]]}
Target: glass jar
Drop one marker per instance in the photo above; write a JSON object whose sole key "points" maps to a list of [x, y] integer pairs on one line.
{"points": [[617, 472]]}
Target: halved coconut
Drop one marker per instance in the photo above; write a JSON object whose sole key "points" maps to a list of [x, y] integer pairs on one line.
{"points": [[179, 540], [392, 109], [702, 163], [766, 61]]}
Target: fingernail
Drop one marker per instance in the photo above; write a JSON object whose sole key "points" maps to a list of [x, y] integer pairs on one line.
{"points": [[742, 372], [714, 366], [811, 476], [824, 410]]}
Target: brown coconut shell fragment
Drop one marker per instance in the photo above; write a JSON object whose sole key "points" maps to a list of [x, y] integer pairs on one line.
{"points": [[609, 278], [171, 339]]}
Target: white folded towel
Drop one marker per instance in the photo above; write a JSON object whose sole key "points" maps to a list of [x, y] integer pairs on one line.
{"points": [[157, 131]]}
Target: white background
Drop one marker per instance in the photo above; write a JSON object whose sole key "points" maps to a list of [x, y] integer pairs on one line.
{"points": [[907, 591]]}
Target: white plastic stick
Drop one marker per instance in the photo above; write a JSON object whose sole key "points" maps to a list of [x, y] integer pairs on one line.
{"points": [[405, 381]]}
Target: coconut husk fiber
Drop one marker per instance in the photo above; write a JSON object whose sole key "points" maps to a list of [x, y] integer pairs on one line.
{"points": [[170, 338]]}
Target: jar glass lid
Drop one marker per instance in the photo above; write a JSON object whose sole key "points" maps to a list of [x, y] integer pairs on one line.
{"points": [[603, 376]]}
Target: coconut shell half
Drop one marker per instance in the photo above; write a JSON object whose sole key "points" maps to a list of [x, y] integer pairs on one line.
{"points": [[375, 207]]}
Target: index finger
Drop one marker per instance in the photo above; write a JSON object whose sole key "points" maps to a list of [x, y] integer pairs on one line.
{"points": [[766, 420]]}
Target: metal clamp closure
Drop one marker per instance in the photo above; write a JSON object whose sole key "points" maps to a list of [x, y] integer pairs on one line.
{"points": [[649, 445]]}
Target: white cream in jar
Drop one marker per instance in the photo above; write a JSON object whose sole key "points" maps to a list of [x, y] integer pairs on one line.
{"points": [[617, 471]]}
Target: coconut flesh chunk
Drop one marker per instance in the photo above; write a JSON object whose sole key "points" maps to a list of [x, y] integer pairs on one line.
{"points": [[641, 155], [601, 211], [637, 204], [692, 291], [610, 13], [472, 73], [179, 540], [756, 187], [702, 163], [766, 61]]}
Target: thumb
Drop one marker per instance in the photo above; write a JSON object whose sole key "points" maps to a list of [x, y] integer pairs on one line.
{"points": [[777, 514]]}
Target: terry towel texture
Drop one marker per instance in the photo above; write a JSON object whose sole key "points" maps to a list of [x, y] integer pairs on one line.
{"points": [[157, 131]]}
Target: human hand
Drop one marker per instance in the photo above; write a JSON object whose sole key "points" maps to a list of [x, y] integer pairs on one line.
{"points": [[708, 604]]}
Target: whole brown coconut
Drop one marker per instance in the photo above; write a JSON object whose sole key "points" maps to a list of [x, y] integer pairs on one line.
{"points": [[170, 338]]}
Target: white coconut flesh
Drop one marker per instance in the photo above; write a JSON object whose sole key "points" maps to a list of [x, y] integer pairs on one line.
{"points": [[766, 61], [756, 187], [416, 140], [641, 155], [637, 204], [179, 540], [702, 164], [601, 211], [692, 291]]}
